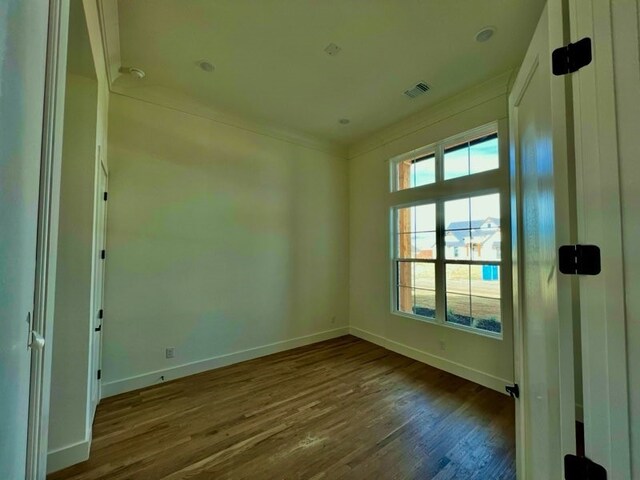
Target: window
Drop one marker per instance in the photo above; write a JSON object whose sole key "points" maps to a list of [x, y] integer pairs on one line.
{"points": [[461, 156], [472, 225], [416, 253], [447, 254], [416, 171], [472, 156]]}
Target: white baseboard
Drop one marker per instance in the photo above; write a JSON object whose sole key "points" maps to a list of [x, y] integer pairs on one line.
{"points": [[70, 455], [152, 378], [449, 366]]}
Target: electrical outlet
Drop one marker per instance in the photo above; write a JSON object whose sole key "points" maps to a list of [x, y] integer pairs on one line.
{"points": [[333, 320], [170, 352]]}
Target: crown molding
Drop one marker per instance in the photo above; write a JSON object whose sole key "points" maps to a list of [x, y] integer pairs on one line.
{"points": [[173, 99], [110, 30], [479, 94], [176, 100]]}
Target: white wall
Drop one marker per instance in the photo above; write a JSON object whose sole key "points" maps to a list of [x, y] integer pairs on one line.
{"points": [[219, 240], [485, 360], [70, 363]]}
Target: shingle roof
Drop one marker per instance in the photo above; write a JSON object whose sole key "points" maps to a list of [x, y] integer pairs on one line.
{"points": [[460, 231], [464, 225]]}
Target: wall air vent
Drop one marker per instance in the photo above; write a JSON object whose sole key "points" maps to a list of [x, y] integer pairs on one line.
{"points": [[417, 89]]}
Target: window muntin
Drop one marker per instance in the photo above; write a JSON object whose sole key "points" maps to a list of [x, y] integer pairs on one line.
{"points": [[472, 228], [448, 247], [416, 232]]}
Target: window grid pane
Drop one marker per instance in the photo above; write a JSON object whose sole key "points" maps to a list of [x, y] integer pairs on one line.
{"points": [[415, 172], [472, 228], [473, 296], [415, 288], [416, 237], [469, 157]]}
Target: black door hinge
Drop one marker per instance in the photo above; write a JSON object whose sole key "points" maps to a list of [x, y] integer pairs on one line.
{"points": [[572, 57], [105, 196], [99, 374], [103, 254], [98, 328], [513, 390], [581, 468], [100, 313], [579, 259]]}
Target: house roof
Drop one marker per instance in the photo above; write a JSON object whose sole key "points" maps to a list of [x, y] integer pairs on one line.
{"points": [[458, 232], [464, 225]]}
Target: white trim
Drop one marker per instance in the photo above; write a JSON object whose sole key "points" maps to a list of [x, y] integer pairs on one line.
{"points": [[556, 400], [449, 366], [47, 242], [602, 297], [447, 324], [70, 455], [110, 30], [100, 207], [174, 100], [152, 378]]}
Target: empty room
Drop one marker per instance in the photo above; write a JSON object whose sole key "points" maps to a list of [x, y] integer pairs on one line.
{"points": [[340, 239]]}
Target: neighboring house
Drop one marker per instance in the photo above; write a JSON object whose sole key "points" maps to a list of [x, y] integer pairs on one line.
{"points": [[480, 242]]}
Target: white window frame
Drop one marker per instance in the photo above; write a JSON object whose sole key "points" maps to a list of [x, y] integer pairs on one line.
{"points": [[441, 191]]}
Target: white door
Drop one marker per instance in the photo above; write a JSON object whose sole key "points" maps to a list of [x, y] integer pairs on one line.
{"points": [[98, 284], [23, 47], [542, 220]]}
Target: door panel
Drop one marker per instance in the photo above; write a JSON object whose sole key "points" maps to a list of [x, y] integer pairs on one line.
{"points": [[543, 305], [23, 42]]}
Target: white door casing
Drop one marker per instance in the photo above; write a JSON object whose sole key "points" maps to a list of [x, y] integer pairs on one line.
{"points": [[602, 297], [47, 242], [541, 216]]}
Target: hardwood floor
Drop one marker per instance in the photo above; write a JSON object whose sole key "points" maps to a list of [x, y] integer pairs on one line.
{"points": [[341, 409]]}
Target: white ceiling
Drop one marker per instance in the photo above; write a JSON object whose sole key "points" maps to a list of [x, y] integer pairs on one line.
{"points": [[270, 64]]}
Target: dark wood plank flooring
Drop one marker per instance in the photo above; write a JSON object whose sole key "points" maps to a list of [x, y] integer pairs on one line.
{"points": [[341, 409]]}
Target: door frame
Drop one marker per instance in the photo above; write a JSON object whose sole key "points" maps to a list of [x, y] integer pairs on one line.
{"points": [[602, 297], [97, 276], [47, 237], [557, 20]]}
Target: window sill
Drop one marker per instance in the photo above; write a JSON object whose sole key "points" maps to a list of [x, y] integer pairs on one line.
{"points": [[433, 321]]}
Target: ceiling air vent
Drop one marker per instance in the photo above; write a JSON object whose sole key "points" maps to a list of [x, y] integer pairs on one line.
{"points": [[416, 90]]}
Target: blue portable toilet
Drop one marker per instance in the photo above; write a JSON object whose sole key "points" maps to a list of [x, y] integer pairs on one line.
{"points": [[490, 272]]}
